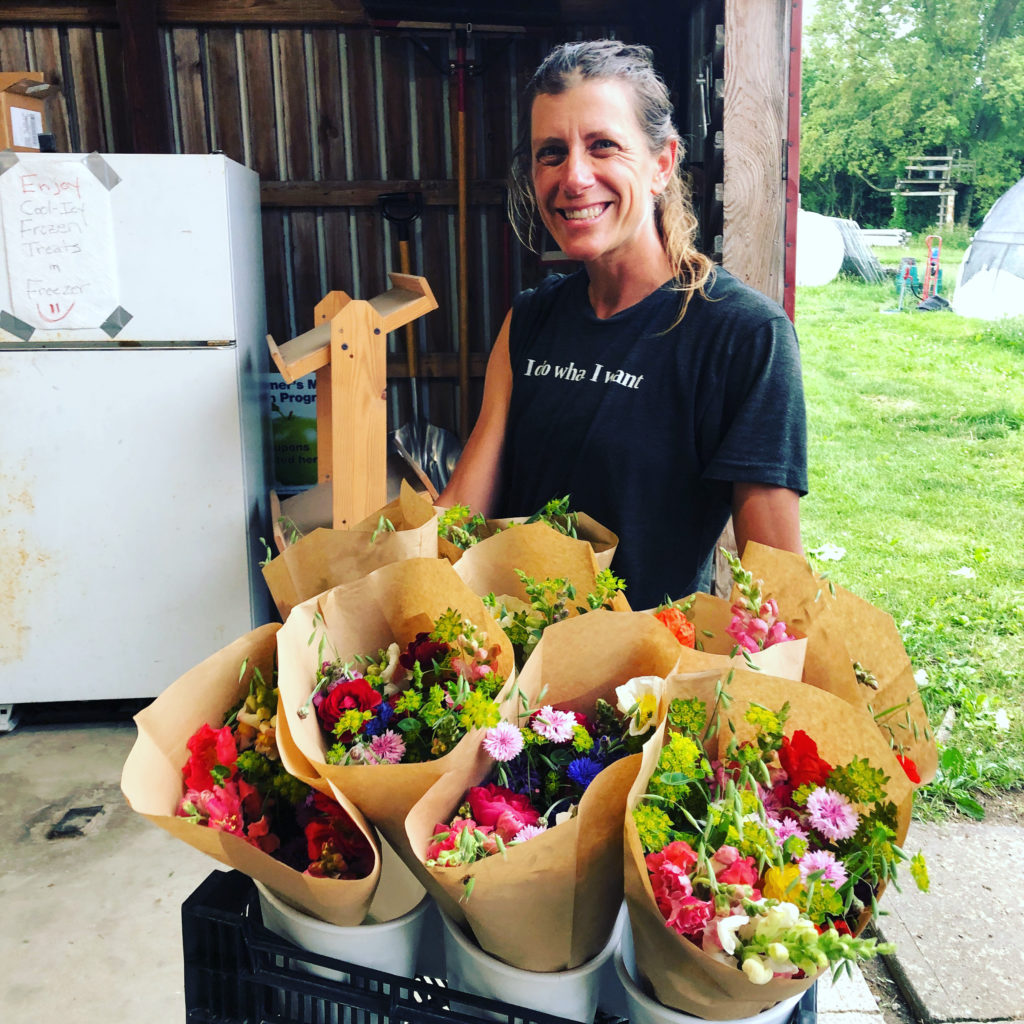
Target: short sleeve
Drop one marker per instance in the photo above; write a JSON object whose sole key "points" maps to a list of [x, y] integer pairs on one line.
{"points": [[755, 428]]}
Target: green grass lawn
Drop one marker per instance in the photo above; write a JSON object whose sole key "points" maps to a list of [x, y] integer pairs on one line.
{"points": [[916, 455]]}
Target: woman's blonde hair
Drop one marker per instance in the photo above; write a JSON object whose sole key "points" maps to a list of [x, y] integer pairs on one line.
{"points": [[568, 65]]}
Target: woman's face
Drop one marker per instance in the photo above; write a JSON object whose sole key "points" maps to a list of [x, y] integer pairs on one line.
{"points": [[594, 175]]}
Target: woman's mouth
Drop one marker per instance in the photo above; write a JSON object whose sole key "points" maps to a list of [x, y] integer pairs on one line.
{"points": [[584, 212]]}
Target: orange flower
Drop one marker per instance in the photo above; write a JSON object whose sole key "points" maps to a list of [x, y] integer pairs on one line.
{"points": [[681, 627]]}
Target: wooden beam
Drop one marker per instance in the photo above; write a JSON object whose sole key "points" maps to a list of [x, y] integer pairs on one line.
{"points": [[148, 117], [197, 12], [754, 125], [436, 192]]}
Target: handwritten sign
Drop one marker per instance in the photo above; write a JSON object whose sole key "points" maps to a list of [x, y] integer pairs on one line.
{"points": [[59, 241]]}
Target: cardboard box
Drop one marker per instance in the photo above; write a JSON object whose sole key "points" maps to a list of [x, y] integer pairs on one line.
{"points": [[22, 109]]}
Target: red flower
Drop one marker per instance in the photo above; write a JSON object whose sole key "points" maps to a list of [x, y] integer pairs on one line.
{"points": [[799, 758], [680, 626], [209, 747], [679, 857], [423, 651], [451, 835], [504, 811], [352, 694], [335, 847], [732, 869], [910, 768]]}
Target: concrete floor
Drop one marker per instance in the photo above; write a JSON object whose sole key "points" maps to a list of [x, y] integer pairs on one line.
{"points": [[92, 917]]}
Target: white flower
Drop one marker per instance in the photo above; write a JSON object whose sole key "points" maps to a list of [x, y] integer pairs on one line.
{"points": [[756, 970], [1002, 720], [640, 698], [727, 928]]}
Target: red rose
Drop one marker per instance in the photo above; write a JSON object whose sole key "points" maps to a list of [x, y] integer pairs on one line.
{"points": [[349, 695], [799, 758], [423, 651], [209, 747], [910, 768], [506, 812], [680, 626]]}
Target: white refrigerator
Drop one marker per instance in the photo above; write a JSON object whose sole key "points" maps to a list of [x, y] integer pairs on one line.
{"points": [[133, 455]]}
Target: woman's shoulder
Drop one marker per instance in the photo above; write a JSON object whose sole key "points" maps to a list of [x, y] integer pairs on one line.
{"points": [[552, 288], [728, 297]]}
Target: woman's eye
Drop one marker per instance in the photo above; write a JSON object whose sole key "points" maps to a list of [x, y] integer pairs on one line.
{"points": [[604, 145], [550, 155]]}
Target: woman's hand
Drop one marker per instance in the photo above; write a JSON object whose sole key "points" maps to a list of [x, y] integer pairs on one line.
{"points": [[476, 479], [766, 514]]}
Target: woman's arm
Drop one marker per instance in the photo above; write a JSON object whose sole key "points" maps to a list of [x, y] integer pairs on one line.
{"points": [[476, 479], [766, 514]]}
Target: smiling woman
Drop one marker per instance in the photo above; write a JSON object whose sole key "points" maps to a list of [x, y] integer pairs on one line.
{"points": [[708, 417]]}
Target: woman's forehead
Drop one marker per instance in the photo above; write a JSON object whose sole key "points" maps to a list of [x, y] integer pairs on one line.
{"points": [[590, 105]]}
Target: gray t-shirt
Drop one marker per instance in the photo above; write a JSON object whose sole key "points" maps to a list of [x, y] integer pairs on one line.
{"points": [[646, 428]]}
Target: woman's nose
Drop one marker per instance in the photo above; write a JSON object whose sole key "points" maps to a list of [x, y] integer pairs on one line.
{"points": [[578, 175]]}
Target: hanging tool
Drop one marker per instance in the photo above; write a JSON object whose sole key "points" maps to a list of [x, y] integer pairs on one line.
{"points": [[932, 274], [402, 209]]}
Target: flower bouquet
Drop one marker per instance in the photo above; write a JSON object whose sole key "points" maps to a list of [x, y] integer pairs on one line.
{"points": [[526, 836], [325, 558], [205, 768], [746, 632], [854, 651], [381, 678], [763, 824], [460, 529]]}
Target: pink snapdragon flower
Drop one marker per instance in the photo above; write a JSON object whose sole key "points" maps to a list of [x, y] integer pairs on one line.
{"points": [[756, 632]]}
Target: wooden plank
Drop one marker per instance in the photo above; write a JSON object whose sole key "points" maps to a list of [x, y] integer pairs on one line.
{"points": [[364, 101], [437, 366], [259, 89], [295, 108], [430, 56], [14, 51], [120, 127], [337, 245], [756, 60], [46, 44], [305, 261], [145, 102], [87, 134], [275, 282], [282, 12], [89, 12], [329, 129], [395, 100], [436, 192], [188, 76], [359, 419], [225, 102]]}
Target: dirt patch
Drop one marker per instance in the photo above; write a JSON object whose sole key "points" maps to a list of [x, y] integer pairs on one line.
{"points": [[891, 1003], [1005, 807]]}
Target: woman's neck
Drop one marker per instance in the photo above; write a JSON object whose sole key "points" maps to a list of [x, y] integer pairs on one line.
{"points": [[618, 283]]}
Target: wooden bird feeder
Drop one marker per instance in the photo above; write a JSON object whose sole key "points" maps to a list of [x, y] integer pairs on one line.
{"points": [[347, 349]]}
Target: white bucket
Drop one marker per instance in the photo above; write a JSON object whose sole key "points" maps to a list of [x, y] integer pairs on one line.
{"points": [[645, 1010], [391, 946], [571, 995]]}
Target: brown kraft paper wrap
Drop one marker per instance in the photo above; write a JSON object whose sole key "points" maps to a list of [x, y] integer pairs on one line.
{"points": [[602, 541], [678, 973], [841, 629], [327, 558], [551, 902], [392, 604], [537, 550], [152, 781], [711, 617]]}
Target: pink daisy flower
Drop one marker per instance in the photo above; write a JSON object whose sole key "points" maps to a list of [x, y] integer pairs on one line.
{"points": [[832, 870], [528, 832], [553, 725], [388, 747], [785, 828], [503, 741], [831, 814]]}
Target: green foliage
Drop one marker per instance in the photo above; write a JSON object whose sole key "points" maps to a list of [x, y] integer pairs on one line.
{"points": [[884, 83], [916, 439]]}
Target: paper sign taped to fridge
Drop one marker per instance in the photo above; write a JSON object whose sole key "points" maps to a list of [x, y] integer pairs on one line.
{"points": [[59, 241]]}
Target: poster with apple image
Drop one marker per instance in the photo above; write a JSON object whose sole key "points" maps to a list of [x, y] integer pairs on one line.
{"points": [[290, 410], [59, 241]]}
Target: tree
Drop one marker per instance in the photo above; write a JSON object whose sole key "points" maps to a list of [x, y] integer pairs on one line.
{"points": [[884, 83]]}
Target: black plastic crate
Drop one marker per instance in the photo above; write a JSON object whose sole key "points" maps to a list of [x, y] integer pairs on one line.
{"points": [[238, 972]]}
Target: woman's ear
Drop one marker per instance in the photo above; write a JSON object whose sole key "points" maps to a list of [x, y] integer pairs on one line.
{"points": [[666, 163]]}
